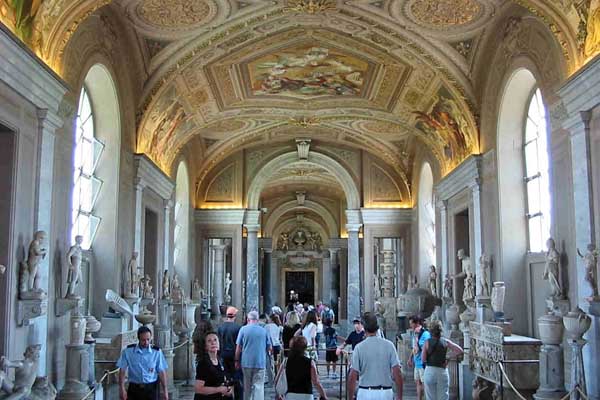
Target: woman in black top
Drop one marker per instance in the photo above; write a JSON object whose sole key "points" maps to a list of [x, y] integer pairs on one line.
{"points": [[300, 372], [291, 326], [210, 376], [436, 379]]}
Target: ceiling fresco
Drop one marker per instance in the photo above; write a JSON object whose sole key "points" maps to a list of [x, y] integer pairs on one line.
{"points": [[385, 76]]}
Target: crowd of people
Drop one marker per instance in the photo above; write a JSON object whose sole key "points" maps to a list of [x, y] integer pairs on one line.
{"points": [[282, 349]]}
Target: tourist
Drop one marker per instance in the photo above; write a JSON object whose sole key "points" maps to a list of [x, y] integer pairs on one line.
{"points": [[355, 337], [274, 329], [327, 313], [252, 347], [419, 336], [289, 330], [375, 366], [210, 375], [144, 364], [300, 372], [228, 333], [331, 338], [433, 355], [309, 331]]}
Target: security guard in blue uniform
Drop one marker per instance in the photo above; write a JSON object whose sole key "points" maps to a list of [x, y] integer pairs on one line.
{"points": [[145, 364]]}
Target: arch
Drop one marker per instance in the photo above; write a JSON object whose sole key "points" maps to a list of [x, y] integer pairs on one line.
{"points": [[332, 166], [426, 218], [292, 205], [291, 223]]}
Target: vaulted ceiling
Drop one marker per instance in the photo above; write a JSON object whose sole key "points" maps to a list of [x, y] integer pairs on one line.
{"points": [[386, 76]]}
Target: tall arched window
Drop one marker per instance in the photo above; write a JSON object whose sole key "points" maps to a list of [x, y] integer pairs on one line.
{"points": [[535, 150], [182, 210], [86, 186], [426, 210]]}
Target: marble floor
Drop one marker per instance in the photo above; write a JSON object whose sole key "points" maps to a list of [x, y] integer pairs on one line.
{"points": [[331, 386]]}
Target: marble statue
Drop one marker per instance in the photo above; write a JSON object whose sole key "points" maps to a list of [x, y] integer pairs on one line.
{"points": [[318, 241], [166, 294], [310, 239], [228, 282], [74, 258], [197, 291], [2, 269], [25, 374], [484, 278], [133, 277], [284, 241], [177, 293], [29, 277], [147, 288], [590, 261], [37, 252], [466, 274], [433, 276], [376, 286], [448, 289], [552, 269]]}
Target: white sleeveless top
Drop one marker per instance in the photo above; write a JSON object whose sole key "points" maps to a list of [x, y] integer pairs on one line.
{"points": [[310, 332]]}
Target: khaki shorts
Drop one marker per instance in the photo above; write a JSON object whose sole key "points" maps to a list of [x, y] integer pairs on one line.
{"points": [[418, 374]]}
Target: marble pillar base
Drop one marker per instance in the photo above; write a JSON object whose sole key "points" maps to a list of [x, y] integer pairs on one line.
{"points": [[77, 373], [484, 310], [591, 351], [559, 307], [552, 379]]}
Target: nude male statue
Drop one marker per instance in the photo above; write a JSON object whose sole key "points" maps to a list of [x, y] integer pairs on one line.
{"points": [[37, 252], [74, 258], [25, 374]]}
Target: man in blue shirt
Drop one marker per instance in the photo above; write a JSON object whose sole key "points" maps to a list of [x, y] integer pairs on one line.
{"points": [[420, 336], [144, 364], [253, 346]]}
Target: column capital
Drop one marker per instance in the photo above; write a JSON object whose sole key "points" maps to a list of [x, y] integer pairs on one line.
{"points": [[168, 204], [442, 205], [218, 247], [353, 227], [333, 250], [252, 227], [139, 183]]}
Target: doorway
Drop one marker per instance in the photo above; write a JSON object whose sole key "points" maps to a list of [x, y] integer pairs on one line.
{"points": [[302, 283]]}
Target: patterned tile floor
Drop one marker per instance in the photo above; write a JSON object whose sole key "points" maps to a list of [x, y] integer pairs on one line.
{"points": [[331, 386]]}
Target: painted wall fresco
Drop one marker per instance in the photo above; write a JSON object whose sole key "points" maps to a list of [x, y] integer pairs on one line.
{"points": [[308, 70]]}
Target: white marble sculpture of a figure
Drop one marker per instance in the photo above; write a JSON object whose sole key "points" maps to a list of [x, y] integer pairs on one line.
{"points": [[228, 282], [448, 286], [552, 269], [133, 276], [467, 275], [433, 276], [74, 259], [310, 239], [284, 241], [166, 293], [25, 374], [147, 288], [484, 278], [176, 290], [590, 261], [37, 252]]}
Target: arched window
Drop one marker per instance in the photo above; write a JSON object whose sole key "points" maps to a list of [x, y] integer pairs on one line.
{"points": [[182, 210], [535, 150], [426, 210], [86, 186]]}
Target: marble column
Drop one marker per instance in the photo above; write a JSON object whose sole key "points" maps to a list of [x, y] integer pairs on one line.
{"points": [[252, 267], [137, 232], [335, 279], [267, 287], [219, 275], [353, 297], [477, 240], [167, 235]]}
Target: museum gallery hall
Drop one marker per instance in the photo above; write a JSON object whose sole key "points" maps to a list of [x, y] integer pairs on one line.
{"points": [[164, 160]]}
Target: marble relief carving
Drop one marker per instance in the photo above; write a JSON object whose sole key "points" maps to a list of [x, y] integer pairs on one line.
{"points": [[441, 13], [168, 13]]}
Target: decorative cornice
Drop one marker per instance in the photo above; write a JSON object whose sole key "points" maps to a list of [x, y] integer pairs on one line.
{"points": [[580, 93], [466, 175], [386, 216], [353, 217], [219, 217], [149, 175]]}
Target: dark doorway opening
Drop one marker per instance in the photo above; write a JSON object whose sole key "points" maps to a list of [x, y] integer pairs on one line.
{"points": [[302, 283]]}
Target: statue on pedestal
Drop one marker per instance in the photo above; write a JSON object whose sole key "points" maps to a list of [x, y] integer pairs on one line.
{"points": [[166, 294], [376, 286], [284, 241], [590, 261], [318, 241], [29, 277], [484, 279], [552, 269], [433, 276], [147, 288], [25, 374], [467, 275], [228, 282], [177, 293], [448, 289], [74, 258], [133, 277]]}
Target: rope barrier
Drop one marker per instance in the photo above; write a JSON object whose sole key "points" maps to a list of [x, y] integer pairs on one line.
{"points": [[105, 376], [178, 346], [565, 397]]}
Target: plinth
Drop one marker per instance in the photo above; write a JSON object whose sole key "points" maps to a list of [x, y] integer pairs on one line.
{"points": [[78, 374]]}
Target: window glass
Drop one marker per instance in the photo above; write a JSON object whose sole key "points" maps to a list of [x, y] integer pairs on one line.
{"points": [[536, 167]]}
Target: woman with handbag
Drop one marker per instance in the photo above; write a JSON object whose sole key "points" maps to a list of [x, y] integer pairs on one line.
{"points": [[298, 374], [210, 375], [433, 354]]}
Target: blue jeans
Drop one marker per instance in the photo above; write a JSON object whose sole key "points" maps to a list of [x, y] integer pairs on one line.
{"points": [[437, 382]]}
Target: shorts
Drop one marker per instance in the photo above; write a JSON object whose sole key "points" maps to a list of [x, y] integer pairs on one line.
{"points": [[331, 356], [418, 374]]}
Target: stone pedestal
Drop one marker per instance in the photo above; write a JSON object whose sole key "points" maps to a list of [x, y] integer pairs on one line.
{"points": [[184, 359], [164, 340], [389, 314], [592, 350], [552, 378], [63, 306], [30, 309], [78, 373], [576, 324]]}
